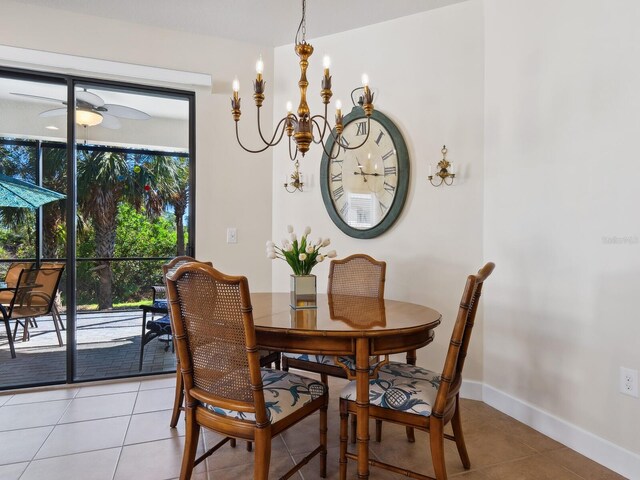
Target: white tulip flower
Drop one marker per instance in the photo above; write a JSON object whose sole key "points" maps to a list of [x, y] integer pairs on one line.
{"points": [[310, 249], [289, 247], [270, 244], [332, 254], [319, 241], [293, 237], [319, 258], [325, 242], [272, 255], [302, 257], [289, 229], [307, 230], [284, 242]]}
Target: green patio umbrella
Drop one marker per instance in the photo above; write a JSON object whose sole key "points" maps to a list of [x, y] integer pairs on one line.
{"points": [[18, 193]]}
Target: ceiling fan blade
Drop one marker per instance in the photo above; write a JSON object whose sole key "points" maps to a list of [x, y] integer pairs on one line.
{"points": [[56, 112], [90, 98], [46, 99], [126, 112], [109, 121]]}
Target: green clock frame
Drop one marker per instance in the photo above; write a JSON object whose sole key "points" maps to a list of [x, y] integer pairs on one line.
{"points": [[402, 188]]}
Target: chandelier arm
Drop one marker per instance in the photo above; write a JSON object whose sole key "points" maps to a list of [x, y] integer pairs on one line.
{"points": [[248, 149], [295, 155], [328, 153], [324, 121], [347, 147], [314, 122], [275, 132]]}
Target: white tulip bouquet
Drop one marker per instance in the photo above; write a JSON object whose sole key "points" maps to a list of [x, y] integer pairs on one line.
{"points": [[301, 255]]}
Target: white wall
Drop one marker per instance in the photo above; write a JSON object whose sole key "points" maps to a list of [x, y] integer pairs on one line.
{"points": [[561, 158], [233, 188], [428, 72]]}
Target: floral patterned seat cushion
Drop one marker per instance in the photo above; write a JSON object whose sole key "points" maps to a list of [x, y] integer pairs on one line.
{"points": [[160, 303], [284, 393], [402, 387], [349, 361]]}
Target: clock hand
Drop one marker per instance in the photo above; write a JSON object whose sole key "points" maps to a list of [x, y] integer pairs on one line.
{"points": [[361, 172]]}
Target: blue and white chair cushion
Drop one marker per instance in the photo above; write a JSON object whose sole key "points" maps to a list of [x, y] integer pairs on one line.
{"points": [[160, 303], [284, 393], [401, 387], [161, 326], [328, 359]]}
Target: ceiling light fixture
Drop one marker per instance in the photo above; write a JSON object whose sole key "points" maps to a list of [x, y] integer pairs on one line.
{"points": [[87, 118], [303, 127]]}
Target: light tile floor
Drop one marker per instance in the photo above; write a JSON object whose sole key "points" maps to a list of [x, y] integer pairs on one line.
{"points": [[121, 431]]}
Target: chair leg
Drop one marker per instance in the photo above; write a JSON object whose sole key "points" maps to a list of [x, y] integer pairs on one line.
{"points": [[178, 398], [57, 327], [456, 425], [263, 454], [232, 442], [285, 363], [354, 427], [411, 436], [144, 329], [436, 438], [378, 430], [278, 362], [10, 339], [344, 438], [323, 441], [190, 445], [249, 446]]}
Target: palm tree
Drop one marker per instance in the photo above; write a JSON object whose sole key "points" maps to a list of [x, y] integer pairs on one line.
{"points": [[178, 199], [104, 179]]}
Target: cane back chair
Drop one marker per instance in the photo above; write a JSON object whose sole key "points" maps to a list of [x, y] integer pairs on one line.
{"points": [[33, 297], [358, 275], [419, 398], [225, 388], [266, 358]]}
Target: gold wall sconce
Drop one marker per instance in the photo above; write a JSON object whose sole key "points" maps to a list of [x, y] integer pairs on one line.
{"points": [[445, 173], [296, 180]]}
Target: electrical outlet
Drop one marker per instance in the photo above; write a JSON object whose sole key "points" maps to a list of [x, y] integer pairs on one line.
{"points": [[232, 235], [629, 381]]}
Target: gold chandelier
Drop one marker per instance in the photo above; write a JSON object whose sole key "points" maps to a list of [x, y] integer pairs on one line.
{"points": [[303, 127]]}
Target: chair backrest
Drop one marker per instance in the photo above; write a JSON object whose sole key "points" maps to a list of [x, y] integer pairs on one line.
{"points": [[13, 272], [357, 274], [215, 338], [451, 378], [173, 264], [35, 292]]}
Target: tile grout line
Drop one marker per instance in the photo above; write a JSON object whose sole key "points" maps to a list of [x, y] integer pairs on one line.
{"points": [[115, 470]]}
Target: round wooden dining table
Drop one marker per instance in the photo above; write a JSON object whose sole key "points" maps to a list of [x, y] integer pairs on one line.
{"points": [[345, 325]]}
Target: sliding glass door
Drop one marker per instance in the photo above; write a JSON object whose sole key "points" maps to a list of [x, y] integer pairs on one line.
{"points": [[129, 185]]}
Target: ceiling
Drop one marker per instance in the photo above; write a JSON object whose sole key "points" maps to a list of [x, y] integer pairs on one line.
{"points": [[268, 22]]}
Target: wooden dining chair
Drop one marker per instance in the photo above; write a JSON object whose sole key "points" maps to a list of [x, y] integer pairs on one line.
{"points": [[267, 358], [33, 297], [357, 275], [225, 389], [414, 396]]}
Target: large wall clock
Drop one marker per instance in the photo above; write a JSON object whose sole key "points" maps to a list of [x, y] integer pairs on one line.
{"points": [[364, 189]]}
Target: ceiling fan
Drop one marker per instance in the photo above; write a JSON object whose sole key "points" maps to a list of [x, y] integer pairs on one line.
{"points": [[91, 110]]}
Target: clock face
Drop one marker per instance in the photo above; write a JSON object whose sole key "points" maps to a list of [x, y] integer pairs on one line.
{"points": [[364, 189]]}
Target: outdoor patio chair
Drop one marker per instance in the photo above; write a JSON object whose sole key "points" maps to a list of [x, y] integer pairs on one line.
{"points": [[33, 297], [55, 312], [226, 390], [414, 396], [11, 279]]}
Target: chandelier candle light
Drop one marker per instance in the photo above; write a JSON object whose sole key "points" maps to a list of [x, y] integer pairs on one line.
{"points": [[301, 256], [302, 127]]}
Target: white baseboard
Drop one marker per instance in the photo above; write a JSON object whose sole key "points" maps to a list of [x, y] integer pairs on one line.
{"points": [[614, 457]]}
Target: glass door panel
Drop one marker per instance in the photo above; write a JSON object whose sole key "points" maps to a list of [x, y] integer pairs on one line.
{"points": [[32, 120], [132, 187]]}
